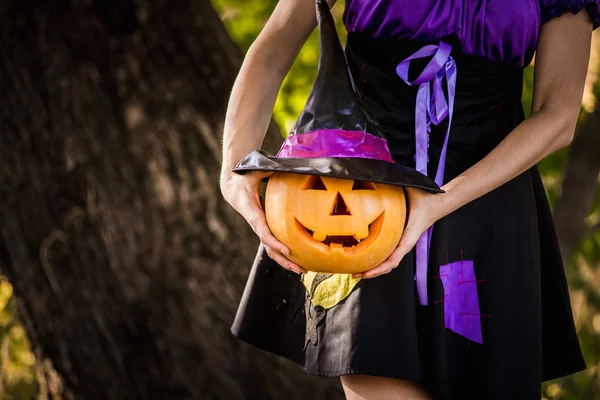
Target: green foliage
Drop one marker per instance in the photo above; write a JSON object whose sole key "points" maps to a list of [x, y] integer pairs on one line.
{"points": [[17, 378], [527, 97], [584, 288], [589, 248], [244, 21]]}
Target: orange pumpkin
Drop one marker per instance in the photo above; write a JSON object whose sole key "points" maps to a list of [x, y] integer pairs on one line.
{"points": [[335, 225]]}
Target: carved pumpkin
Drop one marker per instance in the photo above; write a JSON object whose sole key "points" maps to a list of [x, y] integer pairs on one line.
{"points": [[335, 225]]}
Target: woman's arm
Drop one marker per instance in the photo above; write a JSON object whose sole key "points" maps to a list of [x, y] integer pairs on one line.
{"points": [[560, 69], [265, 66], [561, 64], [250, 109]]}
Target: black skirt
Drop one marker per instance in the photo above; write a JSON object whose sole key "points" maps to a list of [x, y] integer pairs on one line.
{"points": [[499, 320]]}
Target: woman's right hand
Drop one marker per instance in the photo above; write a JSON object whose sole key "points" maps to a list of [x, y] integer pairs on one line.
{"points": [[250, 105], [242, 192]]}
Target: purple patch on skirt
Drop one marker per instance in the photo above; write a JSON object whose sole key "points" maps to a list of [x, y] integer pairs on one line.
{"points": [[461, 302]]}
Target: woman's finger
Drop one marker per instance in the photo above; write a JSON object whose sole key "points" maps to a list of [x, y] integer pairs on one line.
{"points": [[258, 222], [387, 266], [248, 204], [283, 262], [407, 242]]}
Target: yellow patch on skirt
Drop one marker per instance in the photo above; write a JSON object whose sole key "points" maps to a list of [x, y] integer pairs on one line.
{"points": [[331, 291]]}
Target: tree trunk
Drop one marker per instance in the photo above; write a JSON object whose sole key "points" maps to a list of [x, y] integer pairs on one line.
{"points": [[127, 264]]}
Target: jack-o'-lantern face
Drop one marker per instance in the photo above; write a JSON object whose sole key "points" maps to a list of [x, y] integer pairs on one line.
{"points": [[335, 225]]}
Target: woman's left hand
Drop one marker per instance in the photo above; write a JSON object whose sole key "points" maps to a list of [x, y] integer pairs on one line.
{"points": [[425, 210]]}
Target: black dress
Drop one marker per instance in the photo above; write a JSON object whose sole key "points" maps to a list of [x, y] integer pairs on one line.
{"points": [[499, 320]]}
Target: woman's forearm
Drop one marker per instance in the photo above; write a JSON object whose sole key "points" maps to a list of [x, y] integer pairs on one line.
{"points": [[534, 139], [250, 106], [560, 70], [265, 66]]}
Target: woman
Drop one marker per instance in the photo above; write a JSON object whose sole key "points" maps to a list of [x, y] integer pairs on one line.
{"points": [[493, 244]]}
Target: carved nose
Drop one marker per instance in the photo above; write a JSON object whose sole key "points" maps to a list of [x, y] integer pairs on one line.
{"points": [[339, 206]]}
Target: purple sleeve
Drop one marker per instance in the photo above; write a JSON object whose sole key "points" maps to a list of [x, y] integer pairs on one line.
{"points": [[555, 8]]}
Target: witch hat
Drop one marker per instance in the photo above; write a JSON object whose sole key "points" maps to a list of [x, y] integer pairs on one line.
{"points": [[334, 135]]}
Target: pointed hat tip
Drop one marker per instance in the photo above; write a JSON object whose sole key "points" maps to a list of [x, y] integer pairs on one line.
{"points": [[333, 102]]}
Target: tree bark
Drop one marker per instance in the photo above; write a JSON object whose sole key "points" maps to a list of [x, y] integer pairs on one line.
{"points": [[579, 186], [127, 264]]}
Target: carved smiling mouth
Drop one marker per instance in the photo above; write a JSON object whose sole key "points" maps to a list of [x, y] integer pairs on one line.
{"points": [[347, 243]]}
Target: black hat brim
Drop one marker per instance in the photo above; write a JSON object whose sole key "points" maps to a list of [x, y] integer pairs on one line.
{"points": [[361, 169]]}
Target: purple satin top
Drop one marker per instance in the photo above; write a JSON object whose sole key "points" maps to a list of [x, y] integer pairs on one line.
{"points": [[499, 30]]}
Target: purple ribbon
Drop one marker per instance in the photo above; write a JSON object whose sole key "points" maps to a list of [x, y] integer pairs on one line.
{"points": [[335, 143], [431, 107]]}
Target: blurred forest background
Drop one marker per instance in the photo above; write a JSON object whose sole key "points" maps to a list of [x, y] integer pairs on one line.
{"points": [[139, 69]]}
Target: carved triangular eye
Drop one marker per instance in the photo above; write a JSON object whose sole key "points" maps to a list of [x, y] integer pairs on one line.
{"points": [[362, 185], [339, 206], [314, 183]]}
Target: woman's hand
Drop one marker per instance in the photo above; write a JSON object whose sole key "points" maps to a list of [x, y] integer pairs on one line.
{"points": [[242, 192], [425, 210]]}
